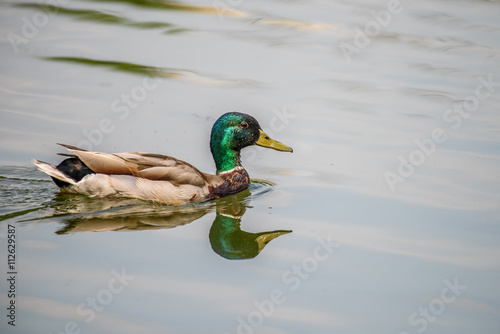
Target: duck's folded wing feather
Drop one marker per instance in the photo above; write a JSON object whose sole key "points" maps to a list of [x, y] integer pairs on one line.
{"points": [[161, 167], [103, 163]]}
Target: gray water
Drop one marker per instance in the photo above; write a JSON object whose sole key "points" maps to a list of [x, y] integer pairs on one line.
{"points": [[391, 194]]}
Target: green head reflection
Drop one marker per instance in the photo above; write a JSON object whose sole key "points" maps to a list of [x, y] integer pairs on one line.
{"points": [[229, 241]]}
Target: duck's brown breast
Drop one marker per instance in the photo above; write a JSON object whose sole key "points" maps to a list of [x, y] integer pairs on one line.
{"points": [[233, 182]]}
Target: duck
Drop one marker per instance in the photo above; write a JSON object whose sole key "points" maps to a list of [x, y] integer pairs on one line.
{"points": [[160, 178]]}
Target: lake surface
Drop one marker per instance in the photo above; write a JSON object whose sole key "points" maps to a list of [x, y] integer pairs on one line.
{"points": [[384, 219]]}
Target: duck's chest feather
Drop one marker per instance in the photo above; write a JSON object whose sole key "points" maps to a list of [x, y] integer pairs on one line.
{"points": [[233, 181]]}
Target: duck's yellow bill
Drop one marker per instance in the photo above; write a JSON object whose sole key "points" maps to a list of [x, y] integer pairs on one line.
{"points": [[266, 141], [263, 239]]}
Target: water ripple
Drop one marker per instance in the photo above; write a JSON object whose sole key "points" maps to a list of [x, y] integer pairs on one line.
{"points": [[96, 16], [152, 71]]}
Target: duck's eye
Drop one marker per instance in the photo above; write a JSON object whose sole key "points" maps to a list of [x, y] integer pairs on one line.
{"points": [[244, 125]]}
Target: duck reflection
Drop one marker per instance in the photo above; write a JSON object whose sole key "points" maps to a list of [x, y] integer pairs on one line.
{"points": [[81, 214], [227, 238]]}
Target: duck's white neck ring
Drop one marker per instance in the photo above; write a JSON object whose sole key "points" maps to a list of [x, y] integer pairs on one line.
{"points": [[235, 169]]}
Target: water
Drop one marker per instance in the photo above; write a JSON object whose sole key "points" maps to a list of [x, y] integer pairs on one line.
{"points": [[391, 193]]}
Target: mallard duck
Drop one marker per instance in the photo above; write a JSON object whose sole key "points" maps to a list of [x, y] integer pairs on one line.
{"points": [[160, 178]]}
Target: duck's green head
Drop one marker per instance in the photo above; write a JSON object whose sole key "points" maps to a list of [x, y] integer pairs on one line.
{"points": [[234, 131]]}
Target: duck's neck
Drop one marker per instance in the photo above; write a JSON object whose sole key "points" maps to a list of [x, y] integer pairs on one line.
{"points": [[225, 158]]}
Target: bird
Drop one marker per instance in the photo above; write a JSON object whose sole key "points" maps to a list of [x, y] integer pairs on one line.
{"points": [[161, 178]]}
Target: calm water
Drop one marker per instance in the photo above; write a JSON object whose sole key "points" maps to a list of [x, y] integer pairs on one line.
{"points": [[385, 219]]}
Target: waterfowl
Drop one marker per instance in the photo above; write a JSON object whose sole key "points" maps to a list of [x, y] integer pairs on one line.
{"points": [[162, 178]]}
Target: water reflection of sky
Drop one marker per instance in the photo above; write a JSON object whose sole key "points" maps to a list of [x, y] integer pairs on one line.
{"points": [[349, 122]]}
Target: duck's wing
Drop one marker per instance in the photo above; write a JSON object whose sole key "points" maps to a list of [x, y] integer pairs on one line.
{"points": [[161, 167], [142, 165]]}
